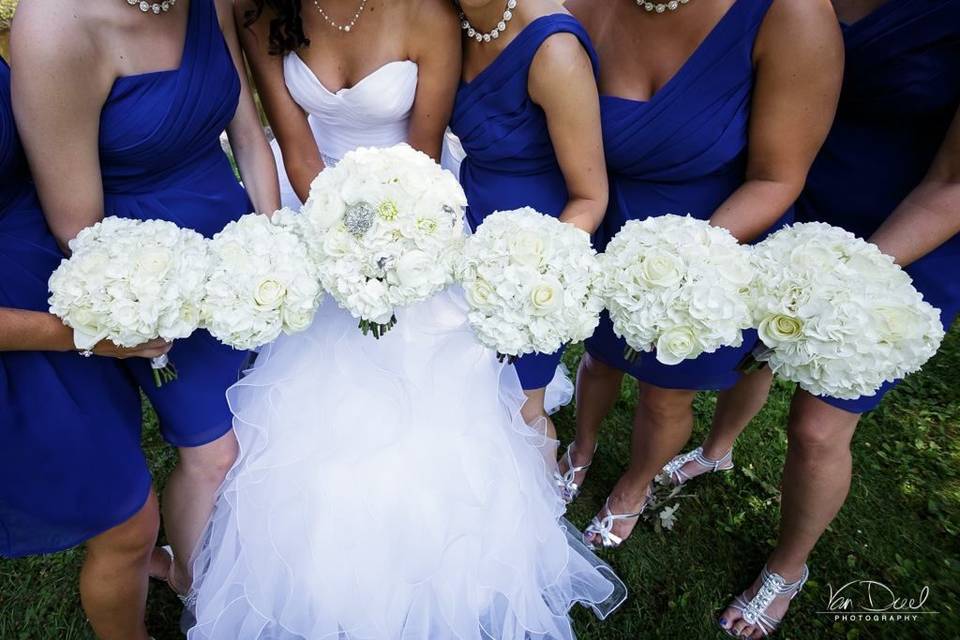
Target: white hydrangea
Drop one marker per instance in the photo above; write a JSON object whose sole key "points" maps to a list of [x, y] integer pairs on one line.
{"points": [[839, 317], [131, 281], [678, 286], [531, 281], [384, 227], [262, 282]]}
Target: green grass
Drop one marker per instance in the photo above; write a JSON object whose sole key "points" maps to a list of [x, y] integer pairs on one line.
{"points": [[898, 527]]}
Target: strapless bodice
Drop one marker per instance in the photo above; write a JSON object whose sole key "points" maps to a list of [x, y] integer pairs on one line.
{"points": [[374, 112]]}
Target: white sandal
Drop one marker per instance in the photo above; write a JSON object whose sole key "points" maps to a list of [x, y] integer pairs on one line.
{"points": [[566, 482], [603, 527], [674, 469], [772, 586]]}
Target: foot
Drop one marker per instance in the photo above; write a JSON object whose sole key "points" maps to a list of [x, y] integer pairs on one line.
{"points": [[695, 463], [571, 472], [163, 568], [613, 525], [756, 616]]}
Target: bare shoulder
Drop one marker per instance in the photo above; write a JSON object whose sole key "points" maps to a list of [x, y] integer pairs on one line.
{"points": [[52, 33], [800, 25], [431, 16], [225, 12]]}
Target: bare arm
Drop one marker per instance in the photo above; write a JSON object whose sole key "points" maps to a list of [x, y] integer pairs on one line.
{"points": [[438, 53], [250, 149], [930, 215], [562, 82], [301, 157], [22, 330], [59, 87], [799, 55]]}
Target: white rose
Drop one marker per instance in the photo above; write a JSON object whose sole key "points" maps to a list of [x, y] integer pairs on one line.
{"points": [[527, 248], [269, 293], [413, 269], [676, 345], [661, 269], [778, 328], [546, 295], [480, 293]]}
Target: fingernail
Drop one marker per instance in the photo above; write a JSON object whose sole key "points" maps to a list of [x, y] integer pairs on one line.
{"points": [[723, 622]]}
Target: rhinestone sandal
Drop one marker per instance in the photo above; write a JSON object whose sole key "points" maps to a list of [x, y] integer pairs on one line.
{"points": [[674, 469], [603, 527], [566, 482], [772, 586]]}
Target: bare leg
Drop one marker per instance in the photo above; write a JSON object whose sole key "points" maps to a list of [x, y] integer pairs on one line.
{"points": [[535, 414], [736, 407], [598, 387], [113, 580], [816, 480], [189, 497], [662, 426]]}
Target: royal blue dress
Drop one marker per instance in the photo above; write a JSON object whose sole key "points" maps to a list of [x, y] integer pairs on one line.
{"points": [[683, 151], [510, 160], [161, 158], [70, 459], [900, 93]]}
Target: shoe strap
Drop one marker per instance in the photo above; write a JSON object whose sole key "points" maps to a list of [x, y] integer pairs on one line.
{"points": [[603, 527], [772, 586], [674, 468]]}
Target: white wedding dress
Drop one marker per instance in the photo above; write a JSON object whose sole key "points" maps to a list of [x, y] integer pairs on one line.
{"points": [[387, 490]]}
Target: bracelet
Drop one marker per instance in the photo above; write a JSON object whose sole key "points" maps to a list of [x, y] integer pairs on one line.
{"points": [[86, 353]]}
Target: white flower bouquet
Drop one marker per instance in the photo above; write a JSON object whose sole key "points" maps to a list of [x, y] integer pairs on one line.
{"points": [[262, 282], [531, 282], [131, 281], [836, 315], [677, 285], [384, 227]]}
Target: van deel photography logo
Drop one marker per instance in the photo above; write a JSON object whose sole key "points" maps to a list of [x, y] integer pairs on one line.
{"points": [[873, 601]]}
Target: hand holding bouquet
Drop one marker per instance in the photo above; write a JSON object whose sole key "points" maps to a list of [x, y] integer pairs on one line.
{"points": [[262, 282], [532, 283], [130, 282], [837, 316], [677, 285], [384, 227]]}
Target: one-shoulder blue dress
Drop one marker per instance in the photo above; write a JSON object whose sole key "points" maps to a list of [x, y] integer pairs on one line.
{"points": [[161, 158], [900, 93], [510, 160], [70, 459], [683, 151]]}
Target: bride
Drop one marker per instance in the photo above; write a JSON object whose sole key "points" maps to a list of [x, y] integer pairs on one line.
{"points": [[385, 489]]}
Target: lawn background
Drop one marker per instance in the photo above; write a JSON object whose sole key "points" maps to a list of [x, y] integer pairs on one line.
{"points": [[898, 527]]}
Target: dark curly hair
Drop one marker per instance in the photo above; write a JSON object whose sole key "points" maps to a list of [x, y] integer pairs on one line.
{"points": [[286, 25]]}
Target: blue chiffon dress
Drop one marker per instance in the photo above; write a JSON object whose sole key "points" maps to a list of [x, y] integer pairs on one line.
{"points": [[510, 160], [683, 151], [70, 462], [161, 158], [901, 91]]}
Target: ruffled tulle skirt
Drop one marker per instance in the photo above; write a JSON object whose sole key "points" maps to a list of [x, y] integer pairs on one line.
{"points": [[390, 490]]}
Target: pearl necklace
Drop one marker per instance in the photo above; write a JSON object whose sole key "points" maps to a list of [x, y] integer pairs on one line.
{"points": [[660, 7], [494, 33], [155, 7], [346, 28]]}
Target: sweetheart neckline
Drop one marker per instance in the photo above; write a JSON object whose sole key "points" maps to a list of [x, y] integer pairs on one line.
{"points": [[344, 90]]}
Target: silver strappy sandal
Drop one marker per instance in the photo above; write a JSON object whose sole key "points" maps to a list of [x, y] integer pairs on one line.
{"points": [[566, 482], [674, 469], [603, 527], [772, 586]]}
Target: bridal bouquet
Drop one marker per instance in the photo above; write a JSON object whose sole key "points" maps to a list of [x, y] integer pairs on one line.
{"points": [[837, 316], [262, 282], [131, 281], [384, 227], [531, 282], [676, 285]]}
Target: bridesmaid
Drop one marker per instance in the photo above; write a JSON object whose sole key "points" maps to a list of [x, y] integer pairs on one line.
{"points": [[527, 115], [71, 469], [889, 172], [723, 123], [121, 112]]}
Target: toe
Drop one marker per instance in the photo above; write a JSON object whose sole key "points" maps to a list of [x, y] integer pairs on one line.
{"points": [[739, 627]]}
